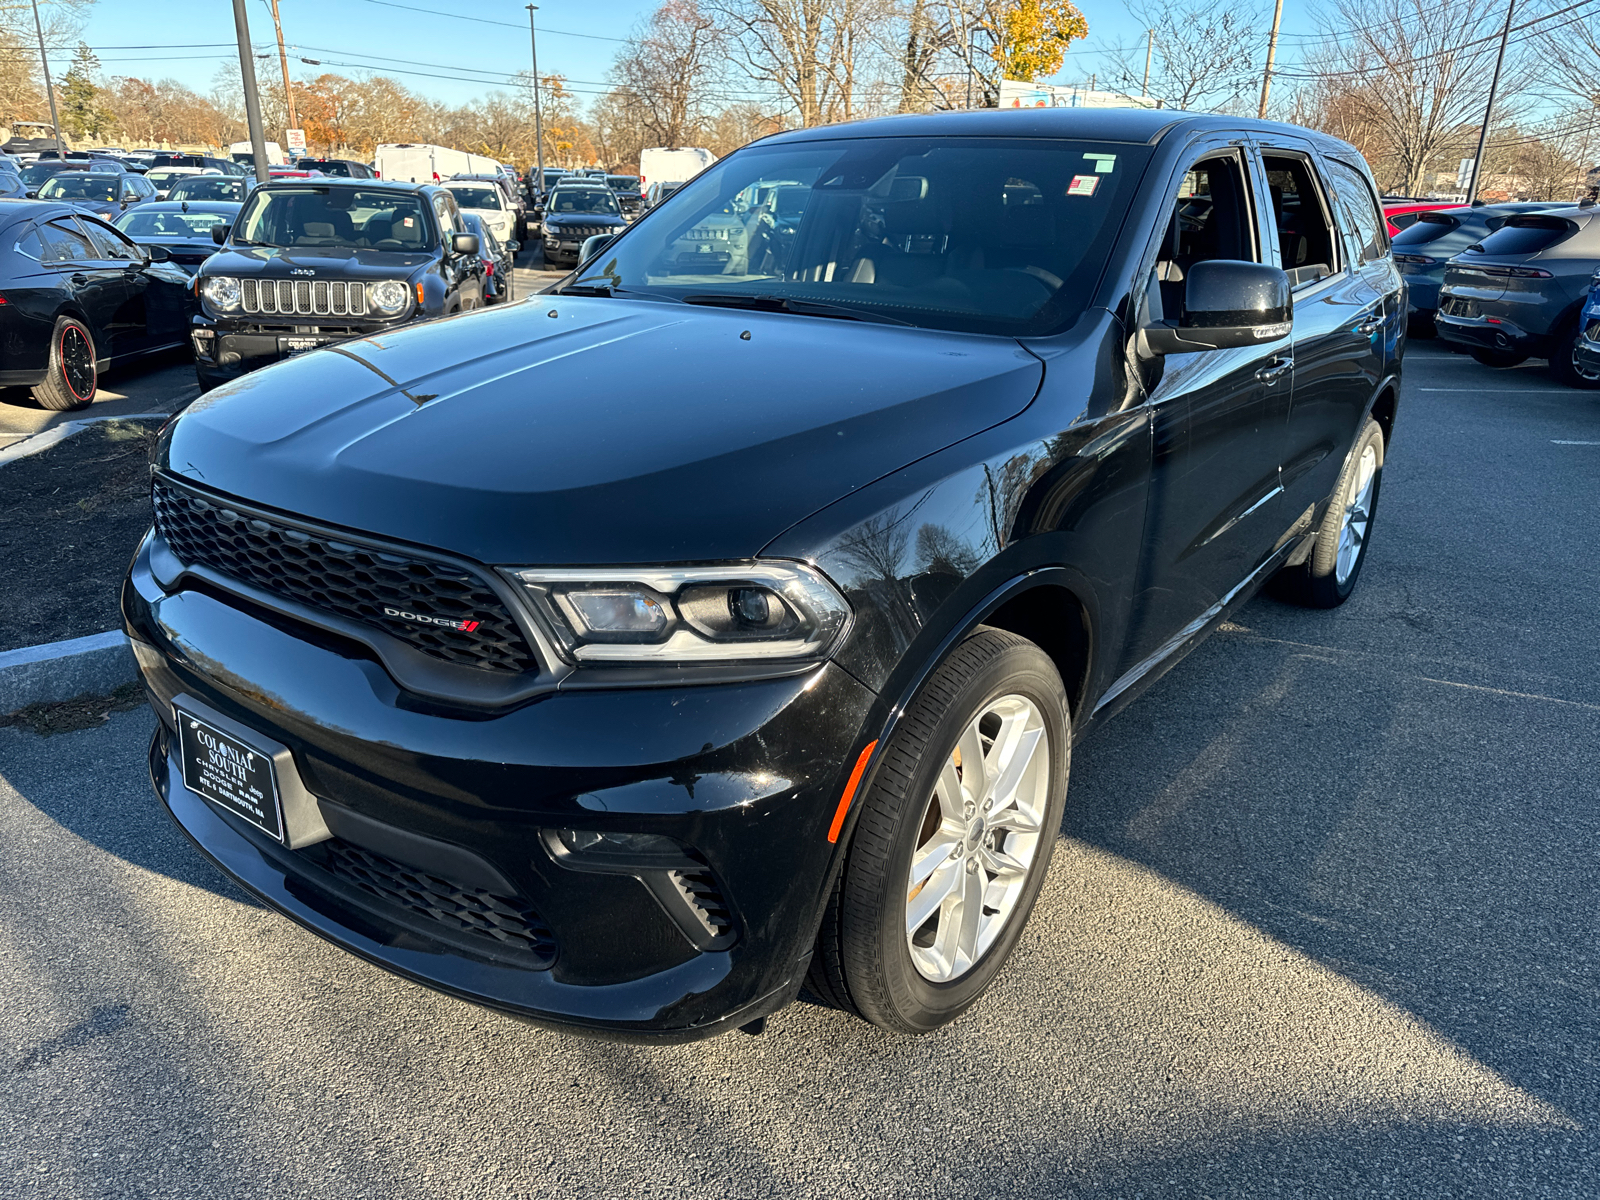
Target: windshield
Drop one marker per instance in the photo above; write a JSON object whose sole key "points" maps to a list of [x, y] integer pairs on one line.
{"points": [[583, 200], [622, 183], [476, 197], [988, 235], [207, 187], [164, 178], [327, 166], [70, 187], [357, 218], [195, 226]]}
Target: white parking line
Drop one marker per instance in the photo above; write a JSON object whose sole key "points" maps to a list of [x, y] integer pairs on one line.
{"points": [[1506, 391], [1562, 442]]}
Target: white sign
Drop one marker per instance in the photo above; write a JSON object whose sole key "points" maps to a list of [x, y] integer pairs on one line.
{"points": [[1464, 172], [1018, 94], [295, 139]]}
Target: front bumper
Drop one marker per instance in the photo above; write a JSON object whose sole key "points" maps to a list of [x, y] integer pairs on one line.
{"points": [[228, 349], [746, 775]]}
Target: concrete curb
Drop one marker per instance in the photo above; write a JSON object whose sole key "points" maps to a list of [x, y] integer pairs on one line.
{"points": [[92, 665], [45, 438]]}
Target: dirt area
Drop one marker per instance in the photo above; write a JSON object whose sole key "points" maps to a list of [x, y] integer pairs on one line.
{"points": [[81, 712], [70, 517]]}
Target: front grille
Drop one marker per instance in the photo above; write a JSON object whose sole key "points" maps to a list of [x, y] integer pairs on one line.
{"points": [[304, 298], [705, 899], [347, 577], [460, 910], [583, 230]]}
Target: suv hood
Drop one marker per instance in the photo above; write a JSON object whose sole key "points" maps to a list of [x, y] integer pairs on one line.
{"points": [[332, 262], [589, 431]]}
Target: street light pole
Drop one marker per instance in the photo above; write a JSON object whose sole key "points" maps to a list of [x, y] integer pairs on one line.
{"points": [[1494, 86], [49, 87], [538, 115], [1272, 53], [252, 101], [283, 61]]}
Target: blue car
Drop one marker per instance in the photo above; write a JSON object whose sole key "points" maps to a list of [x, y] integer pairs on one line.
{"points": [[1422, 249]]}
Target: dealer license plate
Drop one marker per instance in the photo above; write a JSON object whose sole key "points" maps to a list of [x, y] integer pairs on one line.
{"points": [[231, 774], [298, 345]]}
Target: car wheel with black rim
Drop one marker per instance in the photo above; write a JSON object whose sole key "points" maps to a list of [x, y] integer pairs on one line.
{"points": [[1497, 358], [1328, 576], [953, 839], [72, 379], [1564, 363]]}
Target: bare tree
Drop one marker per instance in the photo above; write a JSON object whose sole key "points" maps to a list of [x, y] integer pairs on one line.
{"points": [[815, 53], [663, 73], [1207, 54]]}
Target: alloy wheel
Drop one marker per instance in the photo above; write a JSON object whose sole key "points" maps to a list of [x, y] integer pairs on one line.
{"points": [[1357, 514], [979, 837], [77, 362]]}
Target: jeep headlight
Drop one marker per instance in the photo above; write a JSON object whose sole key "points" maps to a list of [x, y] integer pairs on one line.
{"points": [[221, 292], [675, 616], [388, 296]]}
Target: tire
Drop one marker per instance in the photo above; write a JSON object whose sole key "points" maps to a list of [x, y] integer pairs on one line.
{"points": [[991, 684], [1325, 580], [1564, 360], [1497, 358], [72, 380]]}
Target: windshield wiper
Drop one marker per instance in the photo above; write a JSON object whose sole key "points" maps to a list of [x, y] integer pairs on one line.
{"points": [[806, 308]]}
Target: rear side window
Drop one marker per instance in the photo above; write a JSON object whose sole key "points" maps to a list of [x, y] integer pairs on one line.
{"points": [[1365, 238], [1528, 235], [63, 242], [1305, 236], [1429, 228], [1403, 221]]}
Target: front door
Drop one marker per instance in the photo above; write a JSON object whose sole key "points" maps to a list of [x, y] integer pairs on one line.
{"points": [[1215, 510]]}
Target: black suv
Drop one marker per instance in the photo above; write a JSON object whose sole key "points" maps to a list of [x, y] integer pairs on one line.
{"points": [[632, 710], [313, 262]]}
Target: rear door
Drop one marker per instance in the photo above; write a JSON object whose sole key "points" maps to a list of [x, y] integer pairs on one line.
{"points": [[1338, 326], [130, 322], [94, 286]]}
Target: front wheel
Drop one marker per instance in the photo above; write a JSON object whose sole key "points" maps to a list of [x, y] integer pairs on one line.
{"points": [[953, 840], [72, 380], [1564, 363], [1326, 579]]}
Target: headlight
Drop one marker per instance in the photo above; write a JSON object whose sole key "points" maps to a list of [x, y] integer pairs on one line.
{"points": [[389, 296], [674, 616], [221, 292]]}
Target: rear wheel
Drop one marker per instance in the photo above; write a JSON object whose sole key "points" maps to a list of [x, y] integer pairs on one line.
{"points": [[953, 840], [1497, 358], [1326, 579], [72, 380], [1564, 364]]}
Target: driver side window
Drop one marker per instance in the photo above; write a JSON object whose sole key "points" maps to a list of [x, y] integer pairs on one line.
{"points": [[1211, 218]]}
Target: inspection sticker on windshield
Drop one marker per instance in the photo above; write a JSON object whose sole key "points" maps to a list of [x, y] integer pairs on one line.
{"points": [[1083, 185], [1103, 163]]}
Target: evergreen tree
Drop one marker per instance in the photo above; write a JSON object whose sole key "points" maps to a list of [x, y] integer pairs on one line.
{"points": [[82, 113]]}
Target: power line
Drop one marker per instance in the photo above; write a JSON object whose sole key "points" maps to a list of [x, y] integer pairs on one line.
{"points": [[486, 21]]}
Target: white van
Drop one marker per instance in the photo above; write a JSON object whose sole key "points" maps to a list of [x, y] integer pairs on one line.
{"points": [[418, 162], [661, 165], [241, 152]]}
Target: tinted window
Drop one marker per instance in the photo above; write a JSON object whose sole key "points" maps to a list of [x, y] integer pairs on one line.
{"points": [[327, 166], [1527, 235], [81, 187], [63, 242], [622, 183], [1305, 239], [379, 219], [144, 223], [1404, 220], [583, 200], [1366, 236], [110, 243], [477, 197], [207, 187], [31, 245], [1431, 227], [995, 235]]}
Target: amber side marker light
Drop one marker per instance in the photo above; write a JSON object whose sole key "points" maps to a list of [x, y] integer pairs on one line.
{"points": [[850, 791], [419, 292]]}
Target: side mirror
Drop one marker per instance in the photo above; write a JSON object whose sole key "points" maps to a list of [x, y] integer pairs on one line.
{"points": [[1227, 303], [464, 243], [219, 232], [33, 195], [159, 254], [593, 245]]}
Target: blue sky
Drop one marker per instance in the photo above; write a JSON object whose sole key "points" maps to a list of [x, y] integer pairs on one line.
{"points": [[450, 58]]}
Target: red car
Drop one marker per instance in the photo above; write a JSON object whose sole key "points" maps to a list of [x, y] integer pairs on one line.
{"points": [[1400, 213]]}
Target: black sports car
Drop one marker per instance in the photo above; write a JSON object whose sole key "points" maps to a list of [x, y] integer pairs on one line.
{"points": [[77, 297], [181, 227]]}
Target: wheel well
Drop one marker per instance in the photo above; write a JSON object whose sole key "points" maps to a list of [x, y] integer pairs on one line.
{"points": [[1383, 414], [1053, 619]]}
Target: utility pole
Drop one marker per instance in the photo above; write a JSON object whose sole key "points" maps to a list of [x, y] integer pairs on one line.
{"points": [[1272, 54], [49, 87], [969, 67], [1494, 86], [252, 101], [538, 115], [283, 61], [1149, 49]]}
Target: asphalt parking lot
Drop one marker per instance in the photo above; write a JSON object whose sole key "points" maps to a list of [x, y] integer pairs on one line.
{"points": [[1322, 921]]}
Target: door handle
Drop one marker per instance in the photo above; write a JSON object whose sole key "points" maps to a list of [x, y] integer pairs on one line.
{"points": [[1371, 325], [1276, 371], [79, 277]]}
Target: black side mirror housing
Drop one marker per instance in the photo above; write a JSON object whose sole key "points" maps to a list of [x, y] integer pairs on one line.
{"points": [[33, 195], [159, 254], [219, 232], [1227, 303], [593, 245], [464, 243]]}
